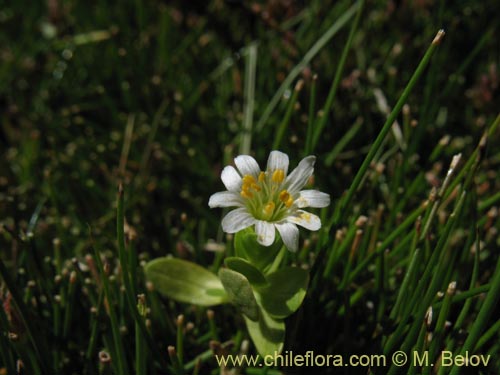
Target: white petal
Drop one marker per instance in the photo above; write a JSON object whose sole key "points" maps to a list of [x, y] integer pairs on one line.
{"points": [[312, 198], [305, 219], [230, 178], [225, 199], [299, 176], [237, 220], [290, 235], [265, 232], [247, 165], [277, 160]]}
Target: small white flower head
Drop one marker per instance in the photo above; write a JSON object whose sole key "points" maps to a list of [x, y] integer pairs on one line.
{"points": [[270, 199]]}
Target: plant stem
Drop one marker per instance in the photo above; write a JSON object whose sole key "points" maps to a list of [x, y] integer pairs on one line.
{"points": [[345, 203], [321, 122]]}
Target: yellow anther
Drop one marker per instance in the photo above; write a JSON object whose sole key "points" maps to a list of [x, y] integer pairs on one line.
{"points": [[262, 176], [256, 187], [284, 196], [269, 208], [278, 176], [248, 179]]}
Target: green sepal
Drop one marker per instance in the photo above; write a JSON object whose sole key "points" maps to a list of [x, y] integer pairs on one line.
{"points": [[185, 281], [247, 247], [247, 269], [240, 292], [285, 291]]}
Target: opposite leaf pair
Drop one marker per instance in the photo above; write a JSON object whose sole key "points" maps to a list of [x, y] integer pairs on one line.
{"points": [[263, 295], [265, 301]]}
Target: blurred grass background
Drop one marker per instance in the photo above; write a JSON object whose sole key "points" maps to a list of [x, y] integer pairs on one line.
{"points": [[153, 94]]}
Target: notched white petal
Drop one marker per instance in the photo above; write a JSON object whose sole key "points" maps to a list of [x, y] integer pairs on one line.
{"points": [[231, 179], [237, 220], [277, 160], [312, 198], [305, 219], [247, 165], [300, 175], [290, 235], [225, 199], [265, 232]]}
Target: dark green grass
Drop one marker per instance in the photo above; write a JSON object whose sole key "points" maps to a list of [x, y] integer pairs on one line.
{"points": [[159, 97]]}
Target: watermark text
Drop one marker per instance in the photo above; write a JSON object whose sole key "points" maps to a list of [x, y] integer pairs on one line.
{"points": [[398, 359]]}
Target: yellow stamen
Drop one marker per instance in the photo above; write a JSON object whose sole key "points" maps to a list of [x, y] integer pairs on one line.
{"points": [[248, 179], [269, 209], [256, 187], [284, 195], [262, 176], [286, 198], [278, 176]]}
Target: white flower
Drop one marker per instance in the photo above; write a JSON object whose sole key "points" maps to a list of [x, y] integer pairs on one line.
{"points": [[269, 200]]}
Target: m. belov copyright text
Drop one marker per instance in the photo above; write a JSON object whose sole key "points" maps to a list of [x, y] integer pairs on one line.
{"points": [[448, 359]]}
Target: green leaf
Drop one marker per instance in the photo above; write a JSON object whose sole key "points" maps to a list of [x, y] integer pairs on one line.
{"points": [[285, 292], [268, 334], [185, 281], [240, 292], [247, 247], [247, 269]]}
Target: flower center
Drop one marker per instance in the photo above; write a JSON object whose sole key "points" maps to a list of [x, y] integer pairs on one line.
{"points": [[265, 197]]}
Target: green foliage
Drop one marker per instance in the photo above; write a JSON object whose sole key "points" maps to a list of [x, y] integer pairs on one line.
{"points": [[285, 292], [158, 96], [254, 276], [185, 282], [268, 334], [240, 292], [265, 301], [247, 247]]}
